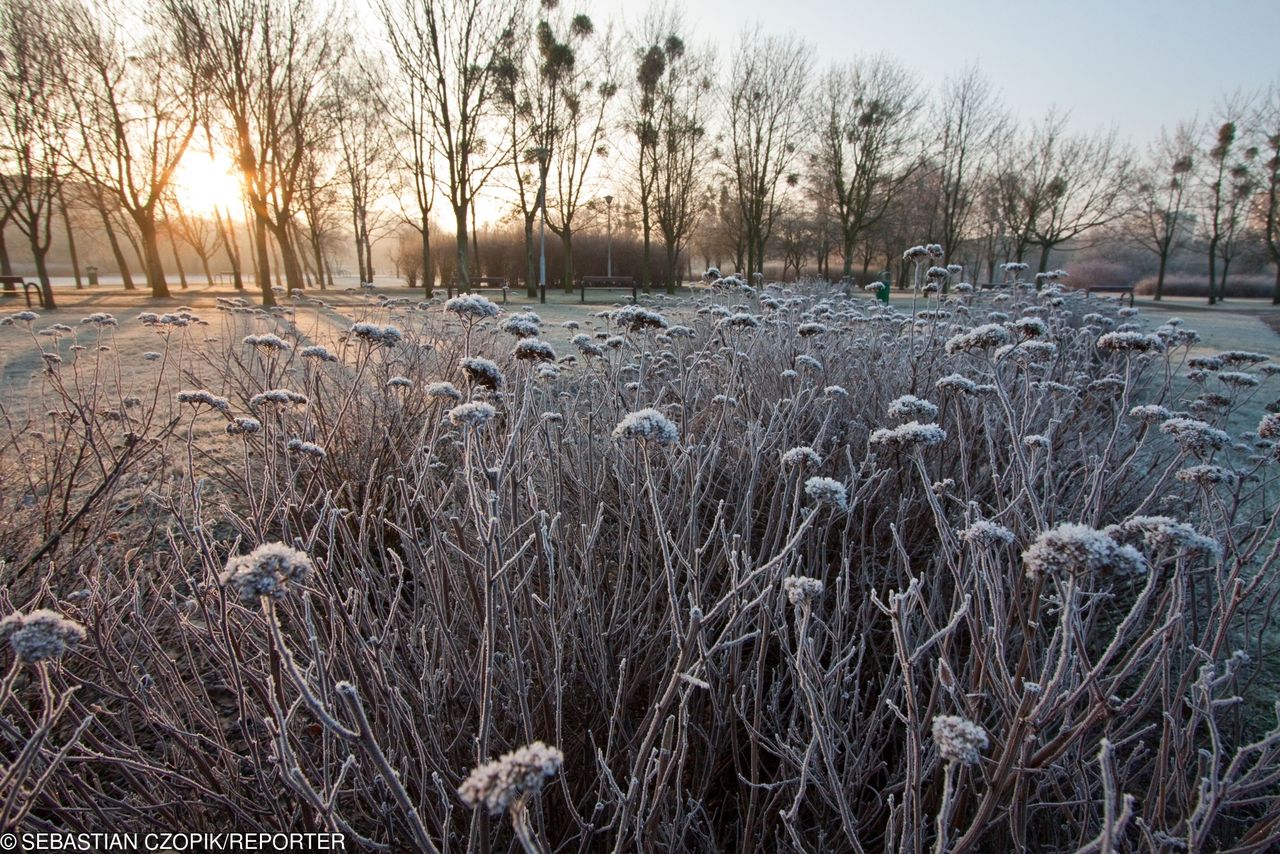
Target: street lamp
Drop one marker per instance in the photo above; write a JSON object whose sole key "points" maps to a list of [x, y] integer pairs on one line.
{"points": [[542, 225], [608, 203]]}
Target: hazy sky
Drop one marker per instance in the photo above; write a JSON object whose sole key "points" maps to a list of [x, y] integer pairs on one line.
{"points": [[1137, 64]]}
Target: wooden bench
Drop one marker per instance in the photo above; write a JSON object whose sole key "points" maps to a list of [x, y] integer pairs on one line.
{"points": [[481, 283], [10, 285], [1111, 289], [623, 282]]}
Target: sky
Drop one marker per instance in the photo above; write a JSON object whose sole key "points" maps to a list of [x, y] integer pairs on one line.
{"points": [[1132, 64]]}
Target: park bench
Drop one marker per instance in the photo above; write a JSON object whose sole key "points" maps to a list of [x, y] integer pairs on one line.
{"points": [[10, 283], [616, 282], [480, 283], [1111, 289]]}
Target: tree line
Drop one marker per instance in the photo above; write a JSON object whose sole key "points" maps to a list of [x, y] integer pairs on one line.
{"points": [[348, 130]]}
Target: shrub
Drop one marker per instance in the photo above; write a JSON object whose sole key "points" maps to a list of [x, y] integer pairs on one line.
{"points": [[791, 622]]}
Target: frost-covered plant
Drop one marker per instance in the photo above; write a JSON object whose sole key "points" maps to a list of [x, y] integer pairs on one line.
{"points": [[959, 740], [826, 490], [41, 635], [1072, 550], [266, 571]]}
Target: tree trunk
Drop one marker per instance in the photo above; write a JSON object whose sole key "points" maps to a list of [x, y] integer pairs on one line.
{"points": [[177, 259], [6, 267], [1164, 262], [1213, 271], [462, 274], [232, 246], [566, 240], [355, 233], [648, 251], [846, 247], [121, 265], [262, 260], [531, 273], [428, 274], [151, 254], [208, 274], [1222, 280], [1275, 294], [42, 272], [71, 239], [475, 238], [1044, 257]]}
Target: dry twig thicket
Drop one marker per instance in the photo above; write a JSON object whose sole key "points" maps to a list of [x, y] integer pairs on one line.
{"points": [[766, 570]]}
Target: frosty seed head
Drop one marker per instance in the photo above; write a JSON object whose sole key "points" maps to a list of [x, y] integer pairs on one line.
{"points": [[1239, 379], [1206, 475], [521, 326], [1131, 342], [804, 361], [277, 396], [1161, 533], [320, 354], [270, 342], [912, 408], [983, 534], [202, 397], [807, 330], [475, 414], [801, 590], [1195, 437], [305, 449], [907, 436], [265, 571], [825, 490], [1206, 363], [375, 335], [983, 337], [959, 740], [399, 382], [443, 391], [42, 635], [801, 456], [1269, 426], [472, 307], [243, 426], [636, 319], [1078, 550], [955, 383], [482, 372], [497, 784], [1242, 357], [533, 350], [1150, 413], [647, 425]]}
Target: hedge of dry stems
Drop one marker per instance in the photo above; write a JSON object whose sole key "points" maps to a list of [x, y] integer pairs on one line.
{"points": [[761, 570]]}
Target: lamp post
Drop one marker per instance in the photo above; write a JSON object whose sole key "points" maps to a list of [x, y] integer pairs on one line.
{"points": [[542, 225], [608, 204]]}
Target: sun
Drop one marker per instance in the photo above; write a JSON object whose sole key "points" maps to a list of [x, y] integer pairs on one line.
{"points": [[203, 182]]}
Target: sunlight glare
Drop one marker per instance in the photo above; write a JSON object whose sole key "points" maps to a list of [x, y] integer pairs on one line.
{"points": [[203, 182]]}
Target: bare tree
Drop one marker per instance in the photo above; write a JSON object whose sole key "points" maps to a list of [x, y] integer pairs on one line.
{"points": [[1062, 185], [1268, 212], [681, 154], [535, 88], [1158, 221], [766, 97], [263, 65], [34, 125], [452, 51], [589, 89], [413, 143], [136, 106], [867, 145], [968, 120], [364, 147], [1221, 171]]}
